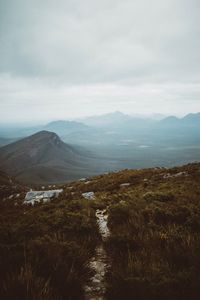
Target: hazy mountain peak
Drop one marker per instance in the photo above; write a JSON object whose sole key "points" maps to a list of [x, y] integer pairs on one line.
{"points": [[61, 123], [170, 120], [106, 119], [192, 117], [118, 113], [64, 127]]}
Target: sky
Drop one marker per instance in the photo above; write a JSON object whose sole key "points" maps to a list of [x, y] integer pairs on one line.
{"points": [[72, 58]]}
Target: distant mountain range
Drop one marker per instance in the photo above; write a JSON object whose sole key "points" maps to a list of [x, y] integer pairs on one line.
{"points": [[118, 118], [95, 125], [188, 120], [67, 150], [60, 127], [44, 158], [107, 119]]}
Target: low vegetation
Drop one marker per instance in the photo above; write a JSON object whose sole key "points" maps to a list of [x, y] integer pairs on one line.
{"points": [[45, 249], [153, 247]]}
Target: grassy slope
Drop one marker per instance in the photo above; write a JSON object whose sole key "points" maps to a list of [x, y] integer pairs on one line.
{"points": [[155, 224], [154, 244]]}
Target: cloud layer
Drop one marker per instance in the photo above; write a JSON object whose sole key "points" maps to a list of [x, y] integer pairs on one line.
{"points": [[90, 56]]}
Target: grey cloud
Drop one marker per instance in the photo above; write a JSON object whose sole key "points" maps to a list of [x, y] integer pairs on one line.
{"points": [[87, 41], [100, 53]]}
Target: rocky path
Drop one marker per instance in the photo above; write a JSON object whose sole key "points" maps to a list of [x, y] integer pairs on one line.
{"points": [[99, 263]]}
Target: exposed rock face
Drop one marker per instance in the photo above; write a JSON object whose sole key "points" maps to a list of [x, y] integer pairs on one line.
{"points": [[123, 185], [89, 195], [37, 196]]}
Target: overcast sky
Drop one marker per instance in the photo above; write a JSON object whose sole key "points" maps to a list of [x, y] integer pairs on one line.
{"points": [[62, 59]]}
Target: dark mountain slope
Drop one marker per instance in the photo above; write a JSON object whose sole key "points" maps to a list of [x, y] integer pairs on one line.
{"points": [[44, 158]]}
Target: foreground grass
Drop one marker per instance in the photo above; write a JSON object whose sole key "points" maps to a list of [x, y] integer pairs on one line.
{"points": [[154, 243], [45, 250], [155, 240]]}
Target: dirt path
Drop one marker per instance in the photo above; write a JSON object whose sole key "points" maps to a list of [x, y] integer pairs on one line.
{"points": [[99, 263]]}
